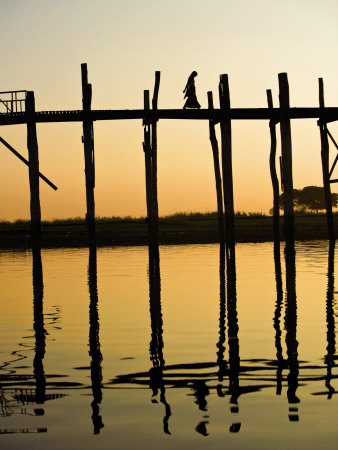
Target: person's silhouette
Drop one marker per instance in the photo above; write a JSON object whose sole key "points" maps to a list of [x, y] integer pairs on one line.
{"points": [[190, 92]]}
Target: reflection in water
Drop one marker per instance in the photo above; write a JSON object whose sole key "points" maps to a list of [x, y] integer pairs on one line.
{"points": [[228, 304], [94, 341], [200, 392], [291, 330], [256, 376], [19, 398], [156, 343], [222, 365], [201, 428], [23, 430], [330, 321], [276, 319], [38, 325], [234, 360]]}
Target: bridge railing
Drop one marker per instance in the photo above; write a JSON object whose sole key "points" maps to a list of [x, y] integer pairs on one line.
{"points": [[12, 101]]}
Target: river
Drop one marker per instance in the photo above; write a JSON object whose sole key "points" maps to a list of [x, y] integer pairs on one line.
{"points": [[103, 350]]}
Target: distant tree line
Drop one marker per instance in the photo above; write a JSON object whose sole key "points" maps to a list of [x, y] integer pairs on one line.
{"points": [[310, 198]]}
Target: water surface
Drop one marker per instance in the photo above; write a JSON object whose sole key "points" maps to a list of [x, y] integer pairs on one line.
{"points": [[102, 352]]}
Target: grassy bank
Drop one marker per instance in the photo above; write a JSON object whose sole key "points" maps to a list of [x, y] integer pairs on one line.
{"points": [[181, 228]]}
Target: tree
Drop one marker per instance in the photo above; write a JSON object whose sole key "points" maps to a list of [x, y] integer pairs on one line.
{"points": [[310, 197]]}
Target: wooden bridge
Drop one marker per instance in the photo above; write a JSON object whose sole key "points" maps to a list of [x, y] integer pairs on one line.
{"points": [[328, 114], [18, 107]]}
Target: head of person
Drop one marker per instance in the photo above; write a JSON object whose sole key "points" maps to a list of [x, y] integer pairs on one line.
{"points": [[192, 76]]}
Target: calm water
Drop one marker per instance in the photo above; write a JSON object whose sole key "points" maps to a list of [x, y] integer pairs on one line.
{"points": [[104, 354]]}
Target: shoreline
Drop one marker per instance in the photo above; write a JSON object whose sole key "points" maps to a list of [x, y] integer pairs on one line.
{"points": [[173, 230]]}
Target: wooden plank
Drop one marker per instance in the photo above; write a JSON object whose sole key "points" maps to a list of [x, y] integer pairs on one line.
{"points": [[218, 178], [273, 171], [285, 129], [326, 115], [10, 92], [325, 165], [33, 159]]}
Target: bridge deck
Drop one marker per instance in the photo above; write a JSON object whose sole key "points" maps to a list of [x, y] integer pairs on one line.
{"points": [[328, 114]]}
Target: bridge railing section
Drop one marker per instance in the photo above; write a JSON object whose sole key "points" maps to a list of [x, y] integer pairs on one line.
{"points": [[12, 101]]}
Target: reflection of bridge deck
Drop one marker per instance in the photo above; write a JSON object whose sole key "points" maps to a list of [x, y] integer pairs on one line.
{"points": [[327, 114], [260, 373], [175, 375], [19, 401], [22, 430]]}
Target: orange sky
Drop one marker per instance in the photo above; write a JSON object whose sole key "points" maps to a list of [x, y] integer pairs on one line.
{"points": [[123, 44]]}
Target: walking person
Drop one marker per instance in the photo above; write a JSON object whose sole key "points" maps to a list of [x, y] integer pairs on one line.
{"points": [[190, 92]]}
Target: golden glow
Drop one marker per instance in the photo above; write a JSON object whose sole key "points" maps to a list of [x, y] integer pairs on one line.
{"points": [[123, 44]]}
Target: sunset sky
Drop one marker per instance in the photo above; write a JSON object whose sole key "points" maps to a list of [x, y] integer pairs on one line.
{"points": [[123, 43]]}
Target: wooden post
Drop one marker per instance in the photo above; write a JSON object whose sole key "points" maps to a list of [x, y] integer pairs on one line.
{"points": [[281, 173], [88, 143], [154, 159], [273, 172], [225, 125], [218, 178], [33, 159], [148, 170], [325, 164], [285, 129]]}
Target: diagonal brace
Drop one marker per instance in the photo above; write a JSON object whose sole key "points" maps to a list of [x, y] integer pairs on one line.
{"points": [[336, 159], [17, 154]]}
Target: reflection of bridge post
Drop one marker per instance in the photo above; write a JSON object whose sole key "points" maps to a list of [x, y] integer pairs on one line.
{"points": [[234, 361], [276, 319], [156, 343], [291, 329], [38, 325], [330, 320], [94, 341], [222, 365]]}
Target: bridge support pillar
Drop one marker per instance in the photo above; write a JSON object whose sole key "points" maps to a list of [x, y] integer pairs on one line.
{"points": [[33, 161], [225, 124], [273, 171], [325, 165], [218, 178], [285, 130], [88, 143], [150, 156]]}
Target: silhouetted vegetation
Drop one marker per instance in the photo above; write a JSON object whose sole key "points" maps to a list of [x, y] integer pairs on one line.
{"points": [[179, 228], [310, 198]]}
